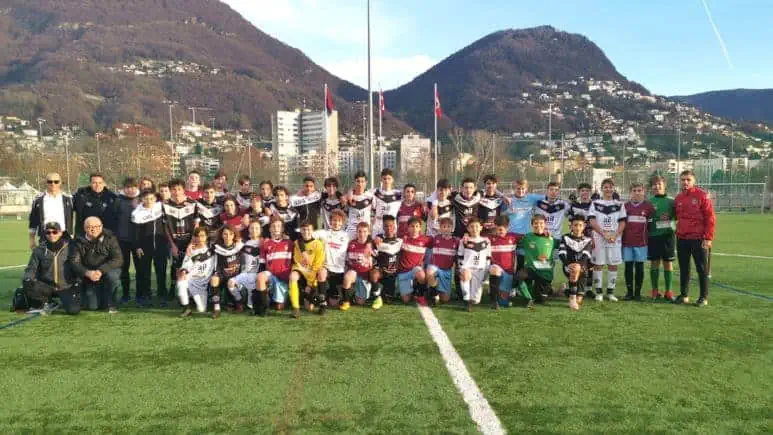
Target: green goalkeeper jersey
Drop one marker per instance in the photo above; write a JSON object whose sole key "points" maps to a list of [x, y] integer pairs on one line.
{"points": [[534, 247], [664, 220]]}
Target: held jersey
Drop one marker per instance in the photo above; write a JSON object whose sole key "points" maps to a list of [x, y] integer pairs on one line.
{"points": [[474, 254], [464, 210], [308, 207], [554, 213], [229, 261], [582, 209], [665, 214], [388, 254], [328, 205], [251, 256], [268, 200], [385, 203], [180, 220], [608, 214], [444, 248], [290, 218], [520, 212], [235, 220], [445, 209], [359, 257], [538, 254], [413, 252], [503, 251], [209, 215], [315, 251], [243, 201], [406, 212], [575, 249], [200, 264], [277, 255], [637, 221], [490, 208], [360, 210], [257, 215], [336, 245]]}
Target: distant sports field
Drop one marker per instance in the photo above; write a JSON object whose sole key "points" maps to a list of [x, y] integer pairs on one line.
{"points": [[609, 368]]}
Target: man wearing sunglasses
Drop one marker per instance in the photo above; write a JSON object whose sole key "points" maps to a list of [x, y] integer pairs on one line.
{"points": [[53, 205]]}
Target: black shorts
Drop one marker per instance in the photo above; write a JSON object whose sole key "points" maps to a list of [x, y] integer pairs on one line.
{"points": [[661, 248]]}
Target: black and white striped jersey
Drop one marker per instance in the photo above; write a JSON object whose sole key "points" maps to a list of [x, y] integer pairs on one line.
{"points": [[308, 207], [385, 203], [554, 212], [474, 254], [388, 254], [209, 215], [360, 210], [251, 256], [180, 219], [445, 209], [464, 210], [329, 204], [575, 249]]}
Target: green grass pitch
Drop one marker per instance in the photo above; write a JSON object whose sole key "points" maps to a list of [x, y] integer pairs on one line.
{"points": [[609, 368]]}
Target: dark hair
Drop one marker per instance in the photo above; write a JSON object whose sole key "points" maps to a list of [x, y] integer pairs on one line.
{"points": [[490, 177], [231, 228], [198, 230], [232, 199], [360, 174], [656, 179], [537, 217], [207, 186], [687, 173], [331, 181], [554, 184], [636, 185], [445, 220], [307, 223], [502, 221], [146, 178], [443, 183], [129, 182], [160, 185], [468, 180], [147, 192], [414, 220], [278, 189], [411, 185], [388, 218], [221, 173], [243, 178], [473, 220], [267, 182], [308, 178], [96, 174], [577, 217], [176, 182], [387, 171], [584, 186], [608, 181]]}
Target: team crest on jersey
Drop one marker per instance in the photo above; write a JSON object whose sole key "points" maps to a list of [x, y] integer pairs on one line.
{"points": [[532, 245], [694, 201]]}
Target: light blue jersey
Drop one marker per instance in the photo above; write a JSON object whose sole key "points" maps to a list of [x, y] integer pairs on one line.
{"points": [[520, 212]]}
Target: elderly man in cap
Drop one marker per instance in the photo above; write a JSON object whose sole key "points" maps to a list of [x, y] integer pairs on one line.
{"points": [[96, 258], [49, 276]]}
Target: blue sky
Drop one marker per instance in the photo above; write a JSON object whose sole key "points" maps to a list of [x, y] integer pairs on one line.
{"points": [[670, 46]]}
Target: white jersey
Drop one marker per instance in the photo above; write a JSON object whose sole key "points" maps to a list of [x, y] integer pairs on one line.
{"points": [[199, 265], [251, 256], [385, 203], [336, 244], [554, 213], [608, 214], [445, 210], [474, 254], [360, 210]]}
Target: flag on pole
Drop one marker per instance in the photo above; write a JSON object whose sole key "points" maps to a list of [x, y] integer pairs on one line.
{"points": [[438, 110], [329, 101], [381, 106]]}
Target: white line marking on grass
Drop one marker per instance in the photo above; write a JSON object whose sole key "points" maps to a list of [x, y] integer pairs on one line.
{"points": [[480, 410], [13, 267], [742, 256]]}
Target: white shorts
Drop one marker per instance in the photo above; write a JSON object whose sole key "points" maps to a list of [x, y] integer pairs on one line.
{"points": [[246, 279], [476, 286], [605, 254]]}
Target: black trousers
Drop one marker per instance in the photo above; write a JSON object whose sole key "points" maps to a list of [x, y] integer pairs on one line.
{"points": [[39, 293], [128, 252], [687, 249], [177, 262], [158, 257]]}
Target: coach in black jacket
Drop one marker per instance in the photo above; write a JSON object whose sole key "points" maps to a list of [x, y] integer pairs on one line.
{"points": [[96, 257], [94, 200], [48, 273], [53, 205]]}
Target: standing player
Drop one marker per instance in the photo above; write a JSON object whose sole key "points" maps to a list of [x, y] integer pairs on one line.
{"points": [[554, 209], [180, 218], [386, 200], [255, 214], [503, 261], [661, 244], [281, 208], [193, 186], [250, 266], [474, 256], [331, 200], [308, 260], [465, 204], [639, 213], [440, 270], [228, 249], [221, 184], [267, 193], [519, 212], [150, 246], [244, 195], [336, 240], [439, 208], [308, 202], [194, 273], [581, 207], [411, 277], [209, 210], [360, 204], [408, 209], [492, 204], [359, 262], [231, 214], [276, 253], [575, 253], [608, 221], [388, 247]]}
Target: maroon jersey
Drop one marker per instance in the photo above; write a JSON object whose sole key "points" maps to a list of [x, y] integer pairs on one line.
{"points": [[235, 220], [194, 195], [405, 214], [444, 251], [636, 223], [359, 257], [413, 251], [503, 251], [277, 255], [229, 260]]}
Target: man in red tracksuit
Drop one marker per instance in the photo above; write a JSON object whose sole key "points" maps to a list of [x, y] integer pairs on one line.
{"points": [[694, 233]]}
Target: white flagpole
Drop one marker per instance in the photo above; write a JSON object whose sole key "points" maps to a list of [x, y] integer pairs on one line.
{"points": [[434, 111], [369, 150], [324, 127], [380, 143]]}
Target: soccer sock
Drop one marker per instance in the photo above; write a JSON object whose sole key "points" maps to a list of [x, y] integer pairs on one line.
{"points": [[598, 280], [638, 277], [629, 277], [611, 281], [322, 289], [421, 289], [259, 301], [493, 290], [375, 289], [589, 279], [347, 294], [295, 297], [524, 289], [465, 285], [182, 293], [654, 277], [201, 303], [668, 277]]}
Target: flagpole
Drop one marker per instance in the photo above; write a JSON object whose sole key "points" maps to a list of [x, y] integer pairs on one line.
{"points": [[380, 142], [324, 127], [369, 150], [434, 111]]}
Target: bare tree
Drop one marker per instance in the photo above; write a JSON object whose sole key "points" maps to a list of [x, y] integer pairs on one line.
{"points": [[483, 152]]}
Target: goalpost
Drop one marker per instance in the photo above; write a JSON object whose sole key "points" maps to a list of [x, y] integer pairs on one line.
{"points": [[738, 197]]}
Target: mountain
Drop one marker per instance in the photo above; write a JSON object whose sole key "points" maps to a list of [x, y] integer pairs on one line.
{"points": [[481, 86], [94, 62], [738, 104]]}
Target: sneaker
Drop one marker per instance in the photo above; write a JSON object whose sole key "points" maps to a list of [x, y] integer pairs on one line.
{"points": [[590, 294], [322, 310], [669, 295], [628, 297], [422, 301], [345, 306], [637, 297], [599, 297], [702, 302], [378, 303], [682, 299], [296, 313], [162, 303], [186, 313], [530, 305], [573, 305], [49, 308], [611, 297], [655, 294], [112, 310]]}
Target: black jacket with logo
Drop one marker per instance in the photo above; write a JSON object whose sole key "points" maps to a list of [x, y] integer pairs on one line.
{"points": [[49, 264], [88, 203], [102, 253]]}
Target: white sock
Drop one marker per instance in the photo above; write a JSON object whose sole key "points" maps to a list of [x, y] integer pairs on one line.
{"points": [[201, 304], [598, 279], [249, 299], [465, 290], [182, 292], [216, 303], [611, 280], [236, 293]]}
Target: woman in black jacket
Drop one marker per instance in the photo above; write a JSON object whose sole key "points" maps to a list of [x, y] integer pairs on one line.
{"points": [[150, 247]]}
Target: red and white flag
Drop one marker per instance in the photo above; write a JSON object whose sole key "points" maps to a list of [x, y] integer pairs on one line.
{"points": [[329, 101], [438, 110], [381, 106]]}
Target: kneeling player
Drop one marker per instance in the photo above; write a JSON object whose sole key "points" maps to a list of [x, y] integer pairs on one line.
{"points": [[309, 257], [388, 247], [503, 260], [537, 274], [250, 267], [575, 254], [228, 249], [411, 277], [474, 257], [440, 270], [194, 274], [359, 263], [331, 278], [276, 253]]}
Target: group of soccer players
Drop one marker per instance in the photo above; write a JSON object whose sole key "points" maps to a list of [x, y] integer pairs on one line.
{"points": [[334, 248]]}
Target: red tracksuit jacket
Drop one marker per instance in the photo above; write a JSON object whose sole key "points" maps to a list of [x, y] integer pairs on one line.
{"points": [[695, 215]]}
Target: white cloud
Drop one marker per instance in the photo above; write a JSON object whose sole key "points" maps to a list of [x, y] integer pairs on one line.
{"points": [[387, 72]]}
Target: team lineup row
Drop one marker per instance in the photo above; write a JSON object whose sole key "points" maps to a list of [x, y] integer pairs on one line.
{"points": [[513, 239]]}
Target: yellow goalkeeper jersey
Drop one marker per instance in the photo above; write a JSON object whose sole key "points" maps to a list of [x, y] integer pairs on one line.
{"points": [[315, 253]]}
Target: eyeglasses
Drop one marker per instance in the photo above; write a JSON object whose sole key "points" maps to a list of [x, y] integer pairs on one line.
{"points": [[93, 227], [53, 181], [52, 232]]}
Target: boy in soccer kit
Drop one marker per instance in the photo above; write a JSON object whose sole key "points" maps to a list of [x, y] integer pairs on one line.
{"points": [[336, 240], [244, 195], [208, 211], [408, 209], [196, 269], [661, 243], [276, 253], [554, 210], [581, 207], [536, 276], [360, 204], [308, 260], [359, 263], [411, 277], [608, 221], [228, 250], [492, 205], [575, 254], [439, 271], [267, 193], [281, 207], [308, 202], [386, 200], [331, 200], [503, 260], [639, 213], [250, 266], [465, 204], [439, 208], [388, 247], [180, 216], [474, 256], [519, 212]]}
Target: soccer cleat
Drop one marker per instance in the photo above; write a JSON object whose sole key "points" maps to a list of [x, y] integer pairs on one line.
{"points": [[377, 303], [186, 313], [296, 313], [530, 305], [654, 294], [669, 296], [599, 297], [589, 294], [611, 297], [682, 299], [112, 310], [345, 306], [322, 310], [162, 303], [702, 302], [628, 297], [421, 300]]}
